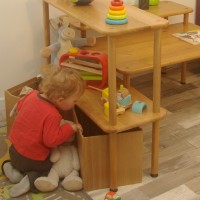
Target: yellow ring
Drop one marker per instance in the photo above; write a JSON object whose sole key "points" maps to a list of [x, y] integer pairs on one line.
{"points": [[117, 12], [116, 17]]}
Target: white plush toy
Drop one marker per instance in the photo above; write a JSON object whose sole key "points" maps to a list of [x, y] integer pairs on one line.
{"points": [[66, 41], [65, 166]]}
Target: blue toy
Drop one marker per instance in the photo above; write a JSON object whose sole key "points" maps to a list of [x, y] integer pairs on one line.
{"points": [[138, 106]]}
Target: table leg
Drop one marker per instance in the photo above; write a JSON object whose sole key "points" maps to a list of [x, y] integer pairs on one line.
{"points": [[155, 148], [156, 101], [183, 72], [157, 71], [113, 155], [112, 80], [186, 19], [83, 30], [127, 81], [164, 70]]}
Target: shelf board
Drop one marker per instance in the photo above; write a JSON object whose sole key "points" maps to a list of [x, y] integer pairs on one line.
{"points": [[134, 52], [92, 106], [169, 8], [94, 15]]}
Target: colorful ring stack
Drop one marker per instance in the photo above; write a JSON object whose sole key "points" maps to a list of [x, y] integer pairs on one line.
{"points": [[116, 14]]}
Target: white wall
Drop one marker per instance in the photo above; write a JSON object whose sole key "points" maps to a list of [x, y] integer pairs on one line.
{"points": [[22, 38], [20, 42]]}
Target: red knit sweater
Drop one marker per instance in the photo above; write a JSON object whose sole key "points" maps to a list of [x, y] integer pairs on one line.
{"points": [[36, 128]]}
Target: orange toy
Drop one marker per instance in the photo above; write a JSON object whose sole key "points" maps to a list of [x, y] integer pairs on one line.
{"points": [[112, 196], [116, 7]]}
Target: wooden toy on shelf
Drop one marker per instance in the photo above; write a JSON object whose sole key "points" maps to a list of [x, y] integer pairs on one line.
{"points": [[138, 106], [123, 97], [93, 65], [81, 2], [116, 14]]}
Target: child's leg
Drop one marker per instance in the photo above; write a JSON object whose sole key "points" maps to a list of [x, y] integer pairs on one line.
{"points": [[12, 174], [32, 176], [32, 168], [20, 188]]}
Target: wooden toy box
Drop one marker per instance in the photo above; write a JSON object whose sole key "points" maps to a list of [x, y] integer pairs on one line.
{"points": [[93, 152]]}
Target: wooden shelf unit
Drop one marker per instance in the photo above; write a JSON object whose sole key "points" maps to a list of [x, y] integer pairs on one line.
{"points": [[134, 53], [94, 15], [136, 56]]}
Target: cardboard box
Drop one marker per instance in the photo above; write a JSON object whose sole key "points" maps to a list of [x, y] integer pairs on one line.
{"points": [[94, 155], [12, 96]]}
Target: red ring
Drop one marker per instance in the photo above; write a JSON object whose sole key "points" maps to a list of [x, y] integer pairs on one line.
{"points": [[116, 3]]}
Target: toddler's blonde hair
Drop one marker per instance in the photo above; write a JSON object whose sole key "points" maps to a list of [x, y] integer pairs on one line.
{"points": [[62, 83]]}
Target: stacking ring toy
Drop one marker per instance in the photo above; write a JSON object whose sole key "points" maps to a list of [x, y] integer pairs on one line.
{"points": [[116, 3], [138, 106], [116, 7], [116, 22], [117, 12], [116, 17]]}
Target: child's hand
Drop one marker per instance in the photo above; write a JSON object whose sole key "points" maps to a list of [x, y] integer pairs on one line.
{"points": [[63, 121], [77, 127]]}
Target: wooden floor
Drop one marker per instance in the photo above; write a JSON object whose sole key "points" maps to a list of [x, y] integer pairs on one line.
{"points": [[179, 168]]}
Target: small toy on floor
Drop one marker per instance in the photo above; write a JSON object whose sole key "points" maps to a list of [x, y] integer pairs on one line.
{"points": [[112, 196]]}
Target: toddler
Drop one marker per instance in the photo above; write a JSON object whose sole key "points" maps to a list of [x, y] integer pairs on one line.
{"points": [[37, 128]]}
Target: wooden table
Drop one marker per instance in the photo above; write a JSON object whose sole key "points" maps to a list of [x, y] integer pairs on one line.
{"points": [[93, 16], [168, 9], [134, 53]]}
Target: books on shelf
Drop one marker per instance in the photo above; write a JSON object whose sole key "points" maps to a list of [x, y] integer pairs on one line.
{"points": [[192, 37]]}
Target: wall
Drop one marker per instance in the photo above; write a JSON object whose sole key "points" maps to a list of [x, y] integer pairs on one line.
{"points": [[22, 38], [197, 16]]}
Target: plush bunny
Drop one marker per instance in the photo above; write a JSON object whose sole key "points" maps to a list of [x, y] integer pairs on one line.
{"points": [[65, 166], [66, 41]]}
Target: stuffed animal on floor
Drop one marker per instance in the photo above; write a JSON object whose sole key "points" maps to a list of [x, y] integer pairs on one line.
{"points": [[66, 41], [65, 166]]}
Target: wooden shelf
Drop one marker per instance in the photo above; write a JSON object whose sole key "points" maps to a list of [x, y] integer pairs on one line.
{"points": [[120, 53], [134, 53], [92, 106], [166, 9], [95, 13]]}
